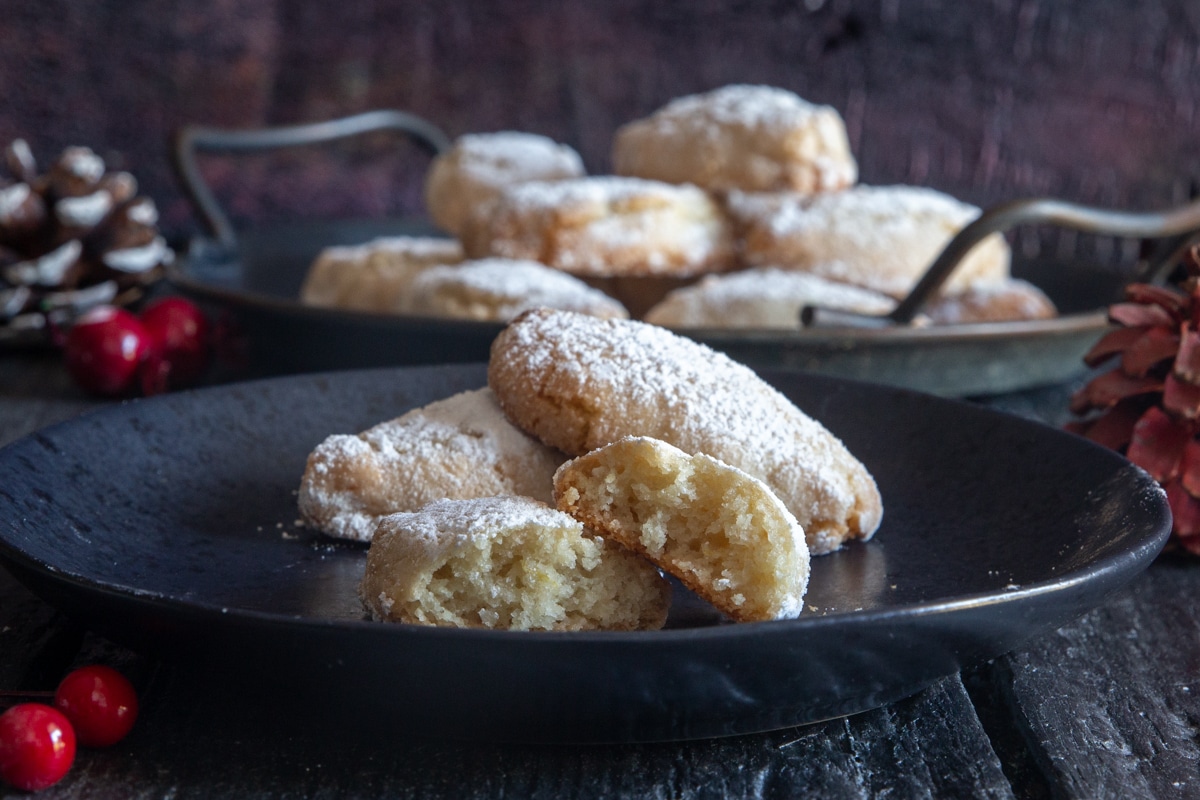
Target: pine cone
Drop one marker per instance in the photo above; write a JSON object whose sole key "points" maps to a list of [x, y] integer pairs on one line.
{"points": [[1148, 406], [70, 239]]}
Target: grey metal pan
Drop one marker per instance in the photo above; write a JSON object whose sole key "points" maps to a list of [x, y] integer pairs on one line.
{"points": [[254, 278]]}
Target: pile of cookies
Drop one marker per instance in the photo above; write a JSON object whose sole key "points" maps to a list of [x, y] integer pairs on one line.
{"points": [[601, 452], [730, 209]]}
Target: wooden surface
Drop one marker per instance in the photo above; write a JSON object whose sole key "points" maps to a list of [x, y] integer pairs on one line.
{"points": [[1104, 707], [1090, 100]]}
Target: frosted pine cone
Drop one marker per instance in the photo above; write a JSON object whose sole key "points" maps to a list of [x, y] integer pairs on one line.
{"points": [[71, 238]]}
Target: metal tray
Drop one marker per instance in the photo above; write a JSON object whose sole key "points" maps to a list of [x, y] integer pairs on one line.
{"points": [[254, 278]]}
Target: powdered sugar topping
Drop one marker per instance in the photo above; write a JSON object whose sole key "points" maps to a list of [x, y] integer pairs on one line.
{"points": [[445, 524], [763, 107], [866, 212], [611, 226], [694, 397], [602, 190], [461, 446], [509, 286], [427, 249], [508, 154], [762, 298]]}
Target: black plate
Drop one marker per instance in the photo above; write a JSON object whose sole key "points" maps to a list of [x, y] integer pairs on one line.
{"points": [[169, 523], [258, 289]]}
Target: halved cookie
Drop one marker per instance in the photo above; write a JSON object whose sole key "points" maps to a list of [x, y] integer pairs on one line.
{"points": [[507, 563], [723, 533]]}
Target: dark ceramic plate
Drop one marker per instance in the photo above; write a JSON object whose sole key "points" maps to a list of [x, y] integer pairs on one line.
{"points": [[169, 524], [258, 287]]}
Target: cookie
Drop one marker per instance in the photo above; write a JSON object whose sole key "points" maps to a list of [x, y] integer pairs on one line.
{"points": [[723, 533], [375, 276], [459, 447], [881, 238], [497, 289], [760, 299], [578, 383], [467, 176], [506, 563], [605, 227], [754, 138], [1006, 301]]}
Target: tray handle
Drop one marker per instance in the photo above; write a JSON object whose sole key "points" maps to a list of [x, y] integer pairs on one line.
{"points": [[1177, 227], [190, 139]]}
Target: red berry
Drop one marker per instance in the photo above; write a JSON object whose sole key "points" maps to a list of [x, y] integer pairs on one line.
{"points": [[179, 335], [100, 703], [37, 746], [104, 349]]}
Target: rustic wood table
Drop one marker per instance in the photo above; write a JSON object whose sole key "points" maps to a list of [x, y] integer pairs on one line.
{"points": [[1103, 707]]}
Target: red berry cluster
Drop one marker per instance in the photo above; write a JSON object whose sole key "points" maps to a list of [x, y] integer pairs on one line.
{"points": [[94, 706], [111, 352]]}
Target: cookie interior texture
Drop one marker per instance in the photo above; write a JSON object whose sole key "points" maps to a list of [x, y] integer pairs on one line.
{"points": [[507, 563], [723, 533]]}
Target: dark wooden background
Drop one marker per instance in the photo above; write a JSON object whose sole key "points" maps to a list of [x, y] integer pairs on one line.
{"points": [[1090, 100], [1093, 101]]}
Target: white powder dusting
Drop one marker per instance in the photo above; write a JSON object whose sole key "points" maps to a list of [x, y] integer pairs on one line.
{"points": [[740, 137], [497, 158], [878, 237], [654, 383], [449, 524], [425, 249], [375, 276], [608, 226], [761, 298], [499, 289], [876, 214], [992, 302], [460, 447], [607, 191], [766, 108]]}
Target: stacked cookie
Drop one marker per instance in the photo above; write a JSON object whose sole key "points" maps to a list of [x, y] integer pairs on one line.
{"points": [[729, 209], [601, 452], [439, 277]]}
